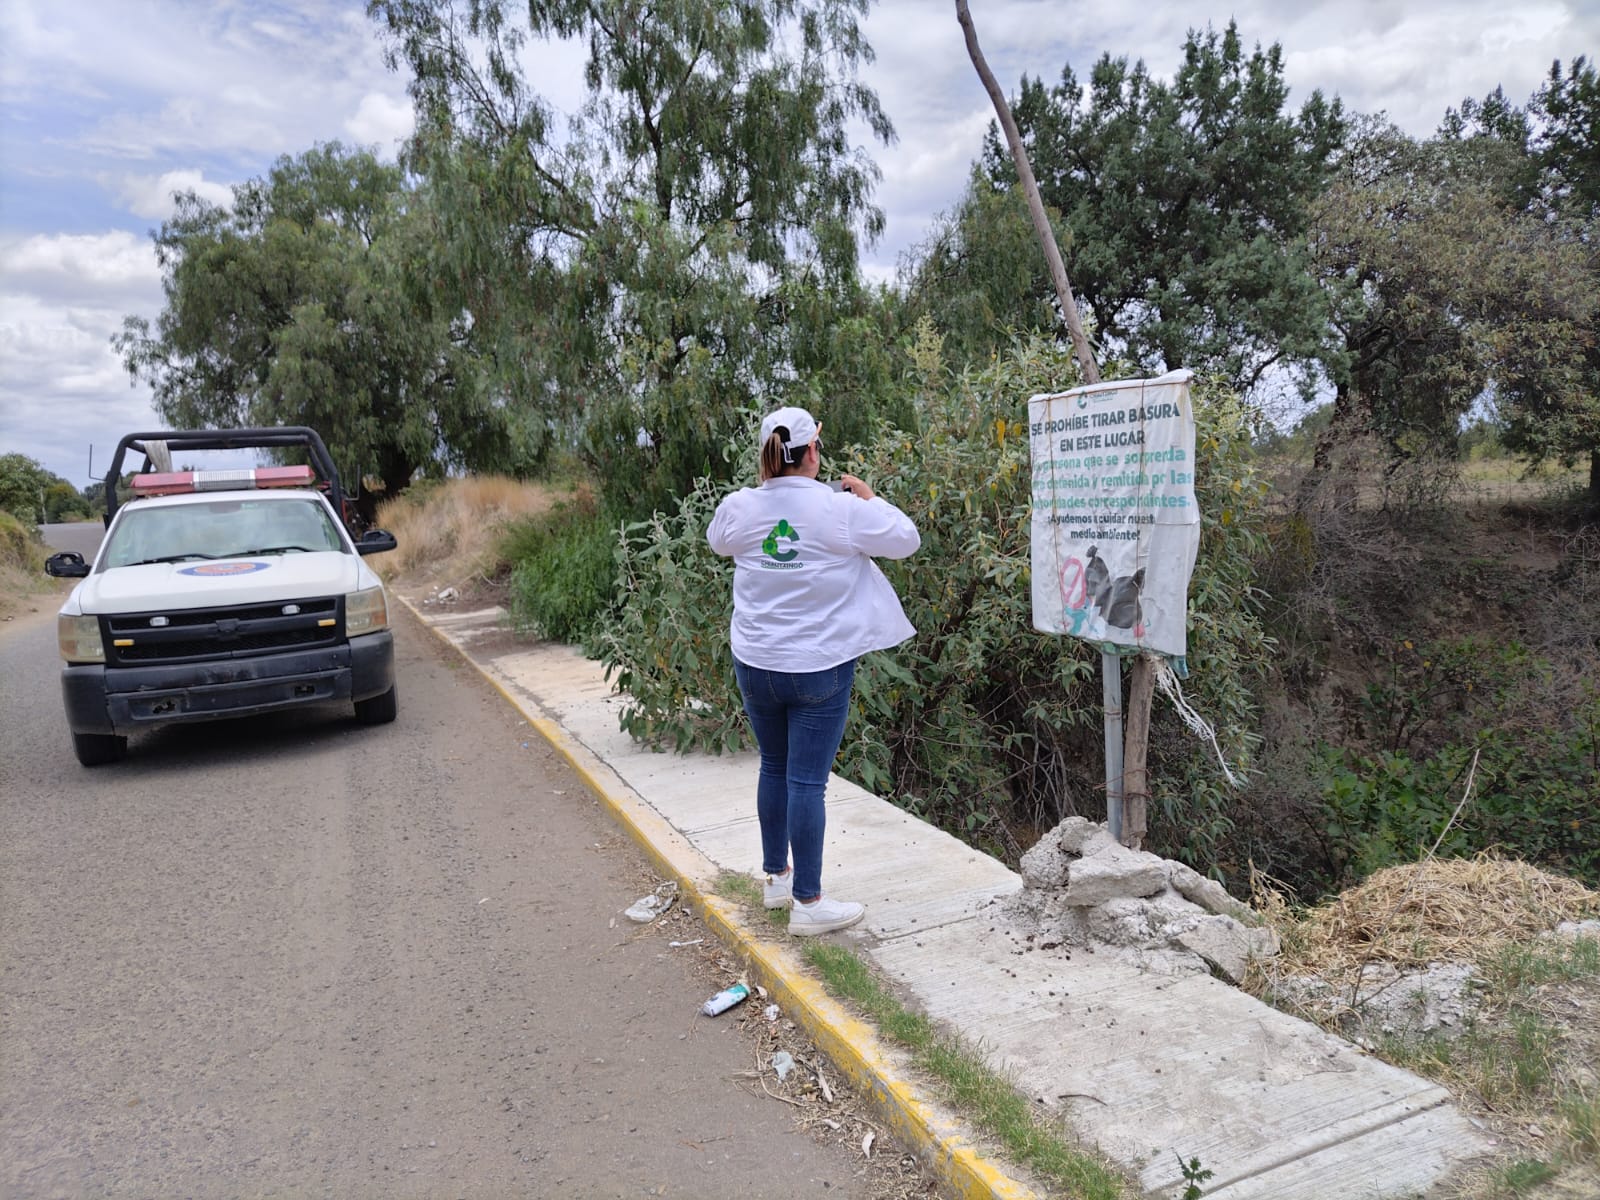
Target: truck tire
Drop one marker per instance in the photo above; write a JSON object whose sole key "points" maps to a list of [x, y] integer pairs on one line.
{"points": [[379, 710], [97, 749]]}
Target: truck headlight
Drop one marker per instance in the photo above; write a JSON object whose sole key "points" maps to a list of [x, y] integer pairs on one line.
{"points": [[79, 639], [365, 612]]}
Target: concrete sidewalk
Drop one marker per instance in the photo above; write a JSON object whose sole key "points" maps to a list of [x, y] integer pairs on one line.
{"points": [[1152, 1068]]}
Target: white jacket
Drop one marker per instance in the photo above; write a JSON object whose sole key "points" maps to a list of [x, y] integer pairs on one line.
{"points": [[806, 594]]}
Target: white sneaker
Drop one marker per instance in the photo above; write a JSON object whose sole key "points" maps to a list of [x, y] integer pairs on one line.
{"points": [[824, 916], [778, 890]]}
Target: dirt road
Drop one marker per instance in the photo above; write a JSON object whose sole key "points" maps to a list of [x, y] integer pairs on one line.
{"points": [[303, 957]]}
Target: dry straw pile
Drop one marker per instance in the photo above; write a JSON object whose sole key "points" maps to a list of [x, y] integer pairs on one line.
{"points": [[1438, 909]]}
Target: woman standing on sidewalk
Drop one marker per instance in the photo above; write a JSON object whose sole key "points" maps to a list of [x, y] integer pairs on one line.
{"points": [[807, 602]]}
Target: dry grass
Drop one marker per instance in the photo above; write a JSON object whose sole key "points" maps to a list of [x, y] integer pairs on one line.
{"points": [[1503, 479], [449, 532], [22, 574], [20, 589], [1411, 915]]}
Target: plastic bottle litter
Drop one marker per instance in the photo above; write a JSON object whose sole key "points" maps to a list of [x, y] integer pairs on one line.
{"points": [[724, 1000], [647, 908]]}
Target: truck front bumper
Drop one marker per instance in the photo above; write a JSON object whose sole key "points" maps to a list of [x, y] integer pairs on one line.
{"points": [[103, 699]]}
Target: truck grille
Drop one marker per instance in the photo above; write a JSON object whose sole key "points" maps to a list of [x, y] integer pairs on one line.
{"points": [[186, 635]]}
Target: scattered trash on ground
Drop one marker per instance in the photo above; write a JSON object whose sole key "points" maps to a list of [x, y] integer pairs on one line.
{"points": [[822, 1085], [783, 1063], [681, 945], [833, 1114], [726, 999], [647, 908]]}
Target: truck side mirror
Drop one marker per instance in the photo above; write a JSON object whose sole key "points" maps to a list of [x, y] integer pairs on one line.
{"points": [[375, 541], [66, 565]]}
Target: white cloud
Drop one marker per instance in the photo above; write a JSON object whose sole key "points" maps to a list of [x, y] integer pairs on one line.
{"points": [[190, 76], [381, 121], [62, 386], [151, 196], [115, 263]]}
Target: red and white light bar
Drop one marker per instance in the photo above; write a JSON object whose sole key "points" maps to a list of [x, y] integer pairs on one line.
{"points": [[173, 483]]}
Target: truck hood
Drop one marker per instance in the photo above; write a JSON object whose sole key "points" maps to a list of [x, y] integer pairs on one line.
{"points": [[222, 582]]}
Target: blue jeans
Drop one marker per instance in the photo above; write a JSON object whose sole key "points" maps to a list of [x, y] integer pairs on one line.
{"points": [[798, 721]]}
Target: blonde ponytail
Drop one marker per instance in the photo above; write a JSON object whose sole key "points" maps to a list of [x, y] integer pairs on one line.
{"points": [[772, 464]]}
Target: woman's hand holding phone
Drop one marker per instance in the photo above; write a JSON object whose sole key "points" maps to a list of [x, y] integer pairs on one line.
{"points": [[853, 484]]}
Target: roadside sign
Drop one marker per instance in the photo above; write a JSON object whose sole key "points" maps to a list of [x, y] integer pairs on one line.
{"points": [[1115, 524]]}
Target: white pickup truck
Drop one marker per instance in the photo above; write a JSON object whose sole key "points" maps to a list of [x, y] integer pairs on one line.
{"points": [[221, 594]]}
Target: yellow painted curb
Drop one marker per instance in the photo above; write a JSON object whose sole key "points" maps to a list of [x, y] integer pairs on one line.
{"points": [[846, 1039]]}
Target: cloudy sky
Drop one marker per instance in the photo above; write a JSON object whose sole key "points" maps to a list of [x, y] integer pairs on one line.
{"points": [[108, 106]]}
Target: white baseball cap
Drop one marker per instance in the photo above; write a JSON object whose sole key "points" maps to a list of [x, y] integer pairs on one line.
{"points": [[802, 429]]}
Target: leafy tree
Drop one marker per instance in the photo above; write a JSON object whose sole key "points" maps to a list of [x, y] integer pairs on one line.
{"points": [[26, 489], [1564, 423], [677, 252], [1544, 160], [1565, 114], [1440, 290], [979, 274], [1187, 204], [306, 303], [63, 502]]}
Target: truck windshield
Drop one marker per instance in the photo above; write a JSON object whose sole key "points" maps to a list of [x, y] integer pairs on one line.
{"points": [[222, 528]]}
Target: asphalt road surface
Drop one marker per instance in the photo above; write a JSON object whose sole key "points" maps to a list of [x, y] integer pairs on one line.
{"points": [[299, 957], [81, 536]]}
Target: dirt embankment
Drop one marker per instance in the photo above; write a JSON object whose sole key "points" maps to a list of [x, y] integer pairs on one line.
{"points": [[24, 587]]}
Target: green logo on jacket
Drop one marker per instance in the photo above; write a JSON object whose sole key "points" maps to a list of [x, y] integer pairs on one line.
{"points": [[769, 547]]}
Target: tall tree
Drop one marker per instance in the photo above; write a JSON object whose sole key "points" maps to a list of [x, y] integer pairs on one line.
{"points": [[640, 269], [1448, 291], [301, 303], [1187, 204], [978, 274], [1546, 158]]}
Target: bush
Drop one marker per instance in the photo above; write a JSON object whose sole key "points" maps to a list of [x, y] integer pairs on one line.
{"points": [[978, 723], [564, 580], [1534, 784]]}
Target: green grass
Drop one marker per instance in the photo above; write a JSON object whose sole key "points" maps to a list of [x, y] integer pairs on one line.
{"points": [[1519, 968], [1581, 1113], [984, 1096], [747, 892], [1525, 1173]]}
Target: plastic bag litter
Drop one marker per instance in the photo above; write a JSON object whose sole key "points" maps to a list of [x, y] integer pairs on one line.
{"points": [[647, 908], [783, 1063]]}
